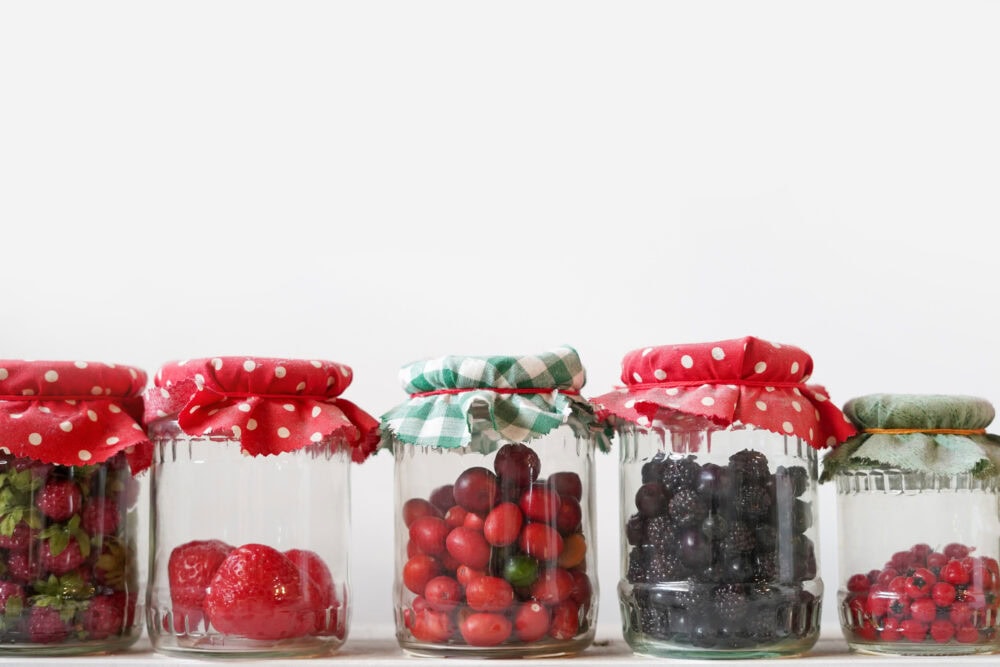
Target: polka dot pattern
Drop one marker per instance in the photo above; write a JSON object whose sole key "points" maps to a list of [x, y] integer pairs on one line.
{"points": [[744, 380], [270, 405], [67, 412]]}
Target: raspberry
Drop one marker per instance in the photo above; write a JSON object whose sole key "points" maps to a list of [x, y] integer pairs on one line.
{"points": [[101, 517], [45, 626], [59, 499], [105, 616], [66, 560]]}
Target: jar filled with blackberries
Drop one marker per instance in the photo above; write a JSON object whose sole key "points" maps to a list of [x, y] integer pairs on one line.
{"points": [[494, 527], [71, 448], [917, 495], [250, 502], [718, 461]]}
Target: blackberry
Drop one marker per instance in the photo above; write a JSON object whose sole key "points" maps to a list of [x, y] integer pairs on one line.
{"points": [[638, 564], [635, 529], [652, 470], [665, 566], [730, 601], [652, 621], [658, 532], [686, 508], [737, 569], [739, 539], [802, 516], [765, 568], [715, 526], [754, 502], [767, 538], [680, 473], [750, 467]]}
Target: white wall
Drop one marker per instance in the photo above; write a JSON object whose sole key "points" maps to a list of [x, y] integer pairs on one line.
{"points": [[377, 182]]}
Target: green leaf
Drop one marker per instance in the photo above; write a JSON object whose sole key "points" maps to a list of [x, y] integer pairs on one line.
{"points": [[34, 519], [83, 539], [8, 524], [58, 542], [15, 605]]}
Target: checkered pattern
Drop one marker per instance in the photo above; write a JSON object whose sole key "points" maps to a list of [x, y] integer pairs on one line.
{"points": [[453, 420]]}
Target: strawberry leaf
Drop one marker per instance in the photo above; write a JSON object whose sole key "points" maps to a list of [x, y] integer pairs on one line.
{"points": [[58, 542]]}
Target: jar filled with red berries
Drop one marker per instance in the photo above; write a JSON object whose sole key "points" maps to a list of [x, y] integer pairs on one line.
{"points": [[250, 503], [718, 461], [71, 447], [494, 529], [917, 494]]}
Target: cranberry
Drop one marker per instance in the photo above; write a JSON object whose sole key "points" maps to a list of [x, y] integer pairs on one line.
{"points": [[418, 571], [476, 489], [540, 503], [552, 586], [468, 547], [531, 621], [431, 626], [569, 516], [485, 629], [540, 541], [489, 594], [442, 593], [565, 620], [414, 508], [443, 498], [503, 524], [567, 484], [517, 464], [428, 533]]}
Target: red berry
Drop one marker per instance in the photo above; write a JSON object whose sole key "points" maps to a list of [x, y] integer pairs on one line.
{"points": [[455, 516], [967, 634], [503, 524], [943, 593], [319, 592], [443, 498], [942, 631], [866, 631], [920, 553], [923, 610], [428, 533], [473, 522], [936, 560], [541, 541], [45, 626], [414, 508], [105, 616], [960, 614], [59, 499], [19, 538], [418, 571], [476, 489], [101, 517], [890, 631], [569, 516], [919, 584], [485, 629], [565, 620], [913, 630], [431, 626], [902, 560], [956, 551], [70, 558], [954, 573], [489, 594], [443, 593], [258, 593], [531, 622], [552, 586], [517, 464], [22, 567], [190, 569], [468, 547], [466, 574], [567, 484], [886, 577], [582, 589], [878, 601], [8, 590], [540, 503], [858, 583]]}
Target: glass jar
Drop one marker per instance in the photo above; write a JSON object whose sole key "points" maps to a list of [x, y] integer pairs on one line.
{"points": [[250, 500], [494, 528], [926, 581], [71, 447], [718, 499]]}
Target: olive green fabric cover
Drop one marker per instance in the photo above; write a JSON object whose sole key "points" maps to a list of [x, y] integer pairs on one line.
{"points": [[938, 453]]}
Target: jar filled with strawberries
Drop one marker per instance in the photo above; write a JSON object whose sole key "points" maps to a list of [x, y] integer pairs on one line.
{"points": [[917, 492], [71, 447], [718, 459], [251, 506], [495, 543]]}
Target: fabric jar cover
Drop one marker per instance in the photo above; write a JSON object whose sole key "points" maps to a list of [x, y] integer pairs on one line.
{"points": [[525, 397], [746, 381], [73, 413], [931, 433], [270, 405]]}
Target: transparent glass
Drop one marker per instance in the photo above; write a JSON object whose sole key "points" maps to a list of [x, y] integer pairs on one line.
{"points": [[248, 554], [719, 545], [918, 562], [495, 554], [70, 578]]}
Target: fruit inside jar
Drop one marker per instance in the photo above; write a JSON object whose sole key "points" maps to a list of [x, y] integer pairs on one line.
{"points": [[495, 557]]}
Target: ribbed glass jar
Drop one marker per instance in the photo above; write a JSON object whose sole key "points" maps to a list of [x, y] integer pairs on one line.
{"points": [[495, 552], [248, 554], [918, 557], [719, 543]]}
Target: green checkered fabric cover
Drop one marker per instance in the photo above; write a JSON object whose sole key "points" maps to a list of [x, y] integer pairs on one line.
{"points": [[482, 418]]}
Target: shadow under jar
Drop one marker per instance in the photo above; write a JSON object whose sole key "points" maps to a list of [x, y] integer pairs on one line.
{"points": [[495, 541], [718, 499], [926, 581], [71, 446], [250, 502]]}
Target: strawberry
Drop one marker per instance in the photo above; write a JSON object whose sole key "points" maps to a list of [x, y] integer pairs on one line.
{"points": [[45, 626], [258, 593], [8, 590], [101, 517], [59, 499], [61, 562], [320, 593], [19, 539], [190, 569], [105, 616], [22, 567]]}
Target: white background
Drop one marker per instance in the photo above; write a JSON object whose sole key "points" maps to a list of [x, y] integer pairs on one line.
{"points": [[378, 182]]}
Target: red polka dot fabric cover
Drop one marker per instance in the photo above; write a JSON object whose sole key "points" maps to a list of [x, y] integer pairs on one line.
{"points": [[745, 381], [73, 413], [270, 405]]}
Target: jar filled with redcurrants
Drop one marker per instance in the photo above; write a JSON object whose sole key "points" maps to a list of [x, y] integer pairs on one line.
{"points": [[250, 502], [494, 527], [927, 580], [718, 461], [71, 448]]}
